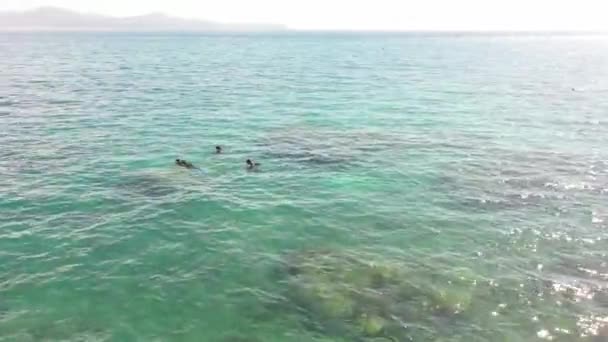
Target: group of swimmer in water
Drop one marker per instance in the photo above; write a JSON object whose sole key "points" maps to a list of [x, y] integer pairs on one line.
{"points": [[251, 165]]}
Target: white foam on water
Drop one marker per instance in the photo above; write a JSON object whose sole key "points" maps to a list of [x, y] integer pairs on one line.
{"points": [[544, 334], [596, 218]]}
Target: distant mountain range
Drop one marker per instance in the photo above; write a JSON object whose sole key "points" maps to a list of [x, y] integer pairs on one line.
{"points": [[58, 19]]}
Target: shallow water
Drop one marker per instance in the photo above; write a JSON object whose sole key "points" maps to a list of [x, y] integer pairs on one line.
{"points": [[465, 163]]}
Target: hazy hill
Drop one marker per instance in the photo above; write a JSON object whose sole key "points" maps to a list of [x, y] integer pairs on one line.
{"points": [[50, 18]]}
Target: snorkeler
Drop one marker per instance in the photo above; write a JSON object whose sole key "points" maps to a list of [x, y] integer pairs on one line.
{"points": [[218, 149], [252, 165], [183, 163]]}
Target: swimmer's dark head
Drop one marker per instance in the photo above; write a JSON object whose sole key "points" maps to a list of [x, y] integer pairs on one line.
{"points": [[218, 149], [177, 161], [249, 162]]}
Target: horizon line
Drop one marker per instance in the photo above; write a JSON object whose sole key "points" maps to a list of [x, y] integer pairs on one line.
{"points": [[280, 27], [297, 30]]}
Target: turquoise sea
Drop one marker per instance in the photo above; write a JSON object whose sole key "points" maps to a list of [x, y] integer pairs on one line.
{"points": [[413, 187]]}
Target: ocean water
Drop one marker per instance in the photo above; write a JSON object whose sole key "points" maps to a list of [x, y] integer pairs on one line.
{"points": [[413, 187]]}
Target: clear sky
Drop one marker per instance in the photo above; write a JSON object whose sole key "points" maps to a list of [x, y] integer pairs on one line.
{"points": [[362, 14]]}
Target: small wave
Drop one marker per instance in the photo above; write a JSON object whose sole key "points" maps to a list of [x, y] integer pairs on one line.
{"points": [[60, 102], [544, 334], [570, 186], [596, 218], [7, 103], [578, 186]]}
